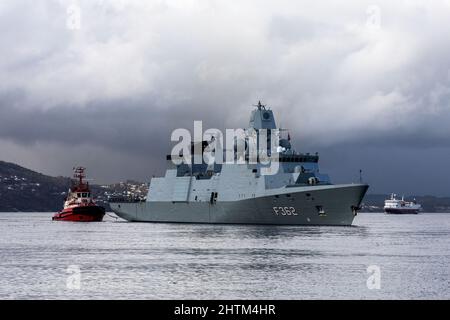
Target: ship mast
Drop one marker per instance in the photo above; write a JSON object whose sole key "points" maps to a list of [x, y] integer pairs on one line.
{"points": [[260, 106], [79, 173]]}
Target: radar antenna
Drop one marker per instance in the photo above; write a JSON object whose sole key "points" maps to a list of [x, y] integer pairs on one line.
{"points": [[260, 106], [79, 173]]}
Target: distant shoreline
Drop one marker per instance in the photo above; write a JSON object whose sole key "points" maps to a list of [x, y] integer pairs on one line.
{"points": [[431, 204]]}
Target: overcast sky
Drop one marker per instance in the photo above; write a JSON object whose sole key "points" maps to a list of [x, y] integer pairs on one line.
{"points": [[103, 83]]}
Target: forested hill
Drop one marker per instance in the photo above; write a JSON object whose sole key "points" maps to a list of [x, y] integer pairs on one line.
{"points": [[22, 189]]}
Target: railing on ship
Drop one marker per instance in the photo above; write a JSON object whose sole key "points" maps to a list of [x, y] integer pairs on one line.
{"points": [[125, 199]]}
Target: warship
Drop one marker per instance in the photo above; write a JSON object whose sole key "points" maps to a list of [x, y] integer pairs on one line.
{"points": [[241, 193]]}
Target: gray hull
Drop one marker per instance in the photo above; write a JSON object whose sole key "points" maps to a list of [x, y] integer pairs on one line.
{"points": [[324, 205]]}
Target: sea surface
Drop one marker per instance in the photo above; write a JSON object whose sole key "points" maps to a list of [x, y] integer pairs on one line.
{"points": [[380, 257]]}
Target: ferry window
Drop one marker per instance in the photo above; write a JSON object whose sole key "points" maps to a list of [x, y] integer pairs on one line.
{"points": [[79, 195]]}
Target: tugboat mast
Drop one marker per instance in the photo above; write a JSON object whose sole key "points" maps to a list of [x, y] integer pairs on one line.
{"points": [[79, 173]]}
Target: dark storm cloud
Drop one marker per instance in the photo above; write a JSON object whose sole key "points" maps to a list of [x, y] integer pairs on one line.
{"points": [[140, 128], [130, 126], [348, 78]]}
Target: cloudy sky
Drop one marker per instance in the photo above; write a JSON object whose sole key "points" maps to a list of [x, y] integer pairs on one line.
{"points": [[104, 82]]}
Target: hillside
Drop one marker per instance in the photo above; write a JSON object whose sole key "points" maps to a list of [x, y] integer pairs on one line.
{"points": [[25, 190]]}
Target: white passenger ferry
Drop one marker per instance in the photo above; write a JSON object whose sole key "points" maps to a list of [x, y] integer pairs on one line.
{"points": [[397, 206]]}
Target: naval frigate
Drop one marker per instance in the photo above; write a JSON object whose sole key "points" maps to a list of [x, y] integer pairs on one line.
{"points": [[240, 193]]}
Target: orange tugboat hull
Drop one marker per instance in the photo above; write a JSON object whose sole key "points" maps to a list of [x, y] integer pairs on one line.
{"points": [[81, 214]]}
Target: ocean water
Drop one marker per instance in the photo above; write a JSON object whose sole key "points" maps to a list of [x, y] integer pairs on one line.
{"points": [[380, 257]]}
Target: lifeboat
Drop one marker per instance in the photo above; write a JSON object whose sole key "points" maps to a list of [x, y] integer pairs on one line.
{"points": [[79, 205]]}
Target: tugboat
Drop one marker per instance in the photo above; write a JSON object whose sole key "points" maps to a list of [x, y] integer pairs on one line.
{"points": [[397, 206], [79, 205]]}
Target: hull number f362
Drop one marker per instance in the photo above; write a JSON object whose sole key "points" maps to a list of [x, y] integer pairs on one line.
{"points": [[285, 211]]}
